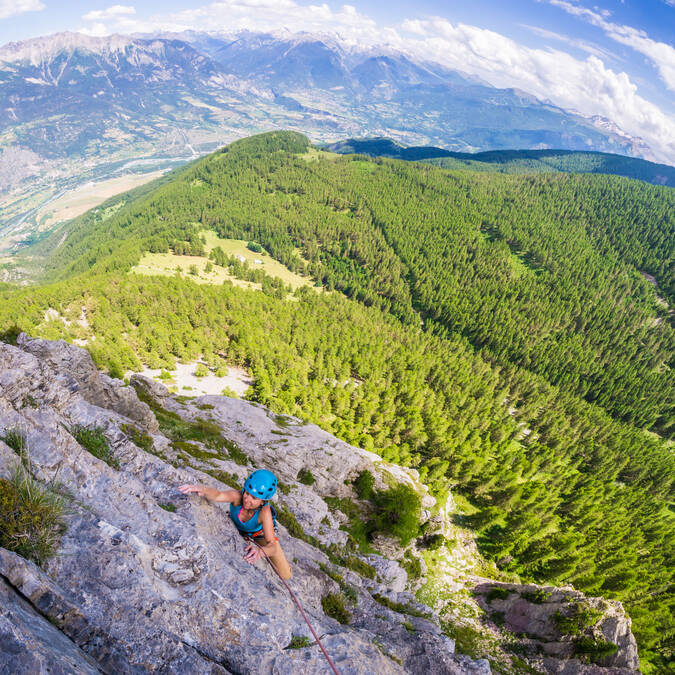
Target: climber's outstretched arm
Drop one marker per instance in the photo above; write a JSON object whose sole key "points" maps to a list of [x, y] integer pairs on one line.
{"points": [[212, 494]]}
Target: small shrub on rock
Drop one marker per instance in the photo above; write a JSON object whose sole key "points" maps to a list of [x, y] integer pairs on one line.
{"points": [[32, 516], [10, 335], [596, 650], [497, 593], [305, 477], [576, 619], [398, 512], [538, 597], [412, 566], [433, 542], [93, 440], [299, 642], [333, 605], [171, 508], [15, 439], [138, 438], [365, 485]]}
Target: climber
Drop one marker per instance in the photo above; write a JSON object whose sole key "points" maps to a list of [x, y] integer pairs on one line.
{"points": [[253, 516]]}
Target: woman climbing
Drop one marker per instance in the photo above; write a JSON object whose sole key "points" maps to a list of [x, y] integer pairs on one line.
{"points": [[253, 516]]}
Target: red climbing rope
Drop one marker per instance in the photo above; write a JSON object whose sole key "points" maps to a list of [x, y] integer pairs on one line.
{"points": [[299, 606]]}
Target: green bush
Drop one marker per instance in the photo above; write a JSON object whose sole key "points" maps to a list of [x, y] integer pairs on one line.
{"points": [[576, 619], [412, 566], [433, 542], [596, 650], [201, 370], [365, 485], [359, 566], [93, 440], [538, 597], [333, 605], [398, 512], [299, 642], [305, 477], [168, 507], [497, 593], [400, 607], [15, 439], [139, 438], [254, 246], [32, 516], [10, 335]]}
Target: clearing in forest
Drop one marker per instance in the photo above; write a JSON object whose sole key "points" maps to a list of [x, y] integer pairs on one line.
{"points": [[194, 267]]}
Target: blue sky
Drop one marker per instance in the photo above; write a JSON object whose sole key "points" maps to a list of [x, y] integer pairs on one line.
{"points": [[611, 58]]}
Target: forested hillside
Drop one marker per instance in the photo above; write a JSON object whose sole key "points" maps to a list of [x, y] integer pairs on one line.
{"points": [[514, 161], [492, 330]]}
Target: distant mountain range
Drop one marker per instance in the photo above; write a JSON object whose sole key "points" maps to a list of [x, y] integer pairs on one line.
{"points": [[75, 108], [513, 161]]}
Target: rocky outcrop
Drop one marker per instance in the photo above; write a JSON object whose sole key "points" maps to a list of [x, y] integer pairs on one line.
{"points": [[562, 630], [30, 644], [148, 580]]}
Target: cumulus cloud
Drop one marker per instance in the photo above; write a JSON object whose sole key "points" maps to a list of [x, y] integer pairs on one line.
{"points": [[114, 12], [660, 54], [13, 7], [586, 85]]}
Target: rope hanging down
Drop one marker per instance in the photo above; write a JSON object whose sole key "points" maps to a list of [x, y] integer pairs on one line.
{"points": [[299, 606]]}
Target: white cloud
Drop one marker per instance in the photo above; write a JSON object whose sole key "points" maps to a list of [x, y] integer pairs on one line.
{"points": [[661, 54], [587, 47], [13, 7], [586, 85], [114, 12], [583, 85]]}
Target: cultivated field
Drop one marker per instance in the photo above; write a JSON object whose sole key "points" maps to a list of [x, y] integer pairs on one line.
{"points": [[88, 196]]}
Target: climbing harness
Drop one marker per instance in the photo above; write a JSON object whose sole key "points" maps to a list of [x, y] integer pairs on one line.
{"points": [[298, 605]]}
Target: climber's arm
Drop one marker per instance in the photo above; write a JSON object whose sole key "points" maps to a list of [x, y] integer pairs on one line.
{"points": [[268, 530], [212, 494]]}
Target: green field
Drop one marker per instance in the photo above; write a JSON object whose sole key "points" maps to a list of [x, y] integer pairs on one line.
{"points": [[169, 264]]}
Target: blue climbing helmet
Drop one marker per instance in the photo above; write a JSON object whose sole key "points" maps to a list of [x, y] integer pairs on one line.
{"points": [[261, 484]]}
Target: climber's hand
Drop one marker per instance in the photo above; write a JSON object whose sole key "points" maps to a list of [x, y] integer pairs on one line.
{"points": [[252, 554], [187, 489]]}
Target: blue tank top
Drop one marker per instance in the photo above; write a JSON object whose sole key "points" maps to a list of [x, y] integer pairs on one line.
{"points": [[253, 524]]}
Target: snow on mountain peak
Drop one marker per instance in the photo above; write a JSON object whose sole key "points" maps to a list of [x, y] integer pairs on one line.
{"points": [[38, 50]]}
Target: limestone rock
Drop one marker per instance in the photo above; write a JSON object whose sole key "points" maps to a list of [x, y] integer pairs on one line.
{"points": [[559, 624], [149, 580], [30, 644], [78, 372]]}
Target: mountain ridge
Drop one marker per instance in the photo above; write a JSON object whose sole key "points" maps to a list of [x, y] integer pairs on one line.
{"points": [[576, 161], [72, 114]]}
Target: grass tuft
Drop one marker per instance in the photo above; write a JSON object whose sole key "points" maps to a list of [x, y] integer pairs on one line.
{"points": [[305, 477], [32, 515], [299, 642], [333, 605], [93, 440]]}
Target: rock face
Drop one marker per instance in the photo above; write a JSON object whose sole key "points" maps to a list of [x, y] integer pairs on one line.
{"points": [[30, 644], [559, 626], [146, 579]]}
